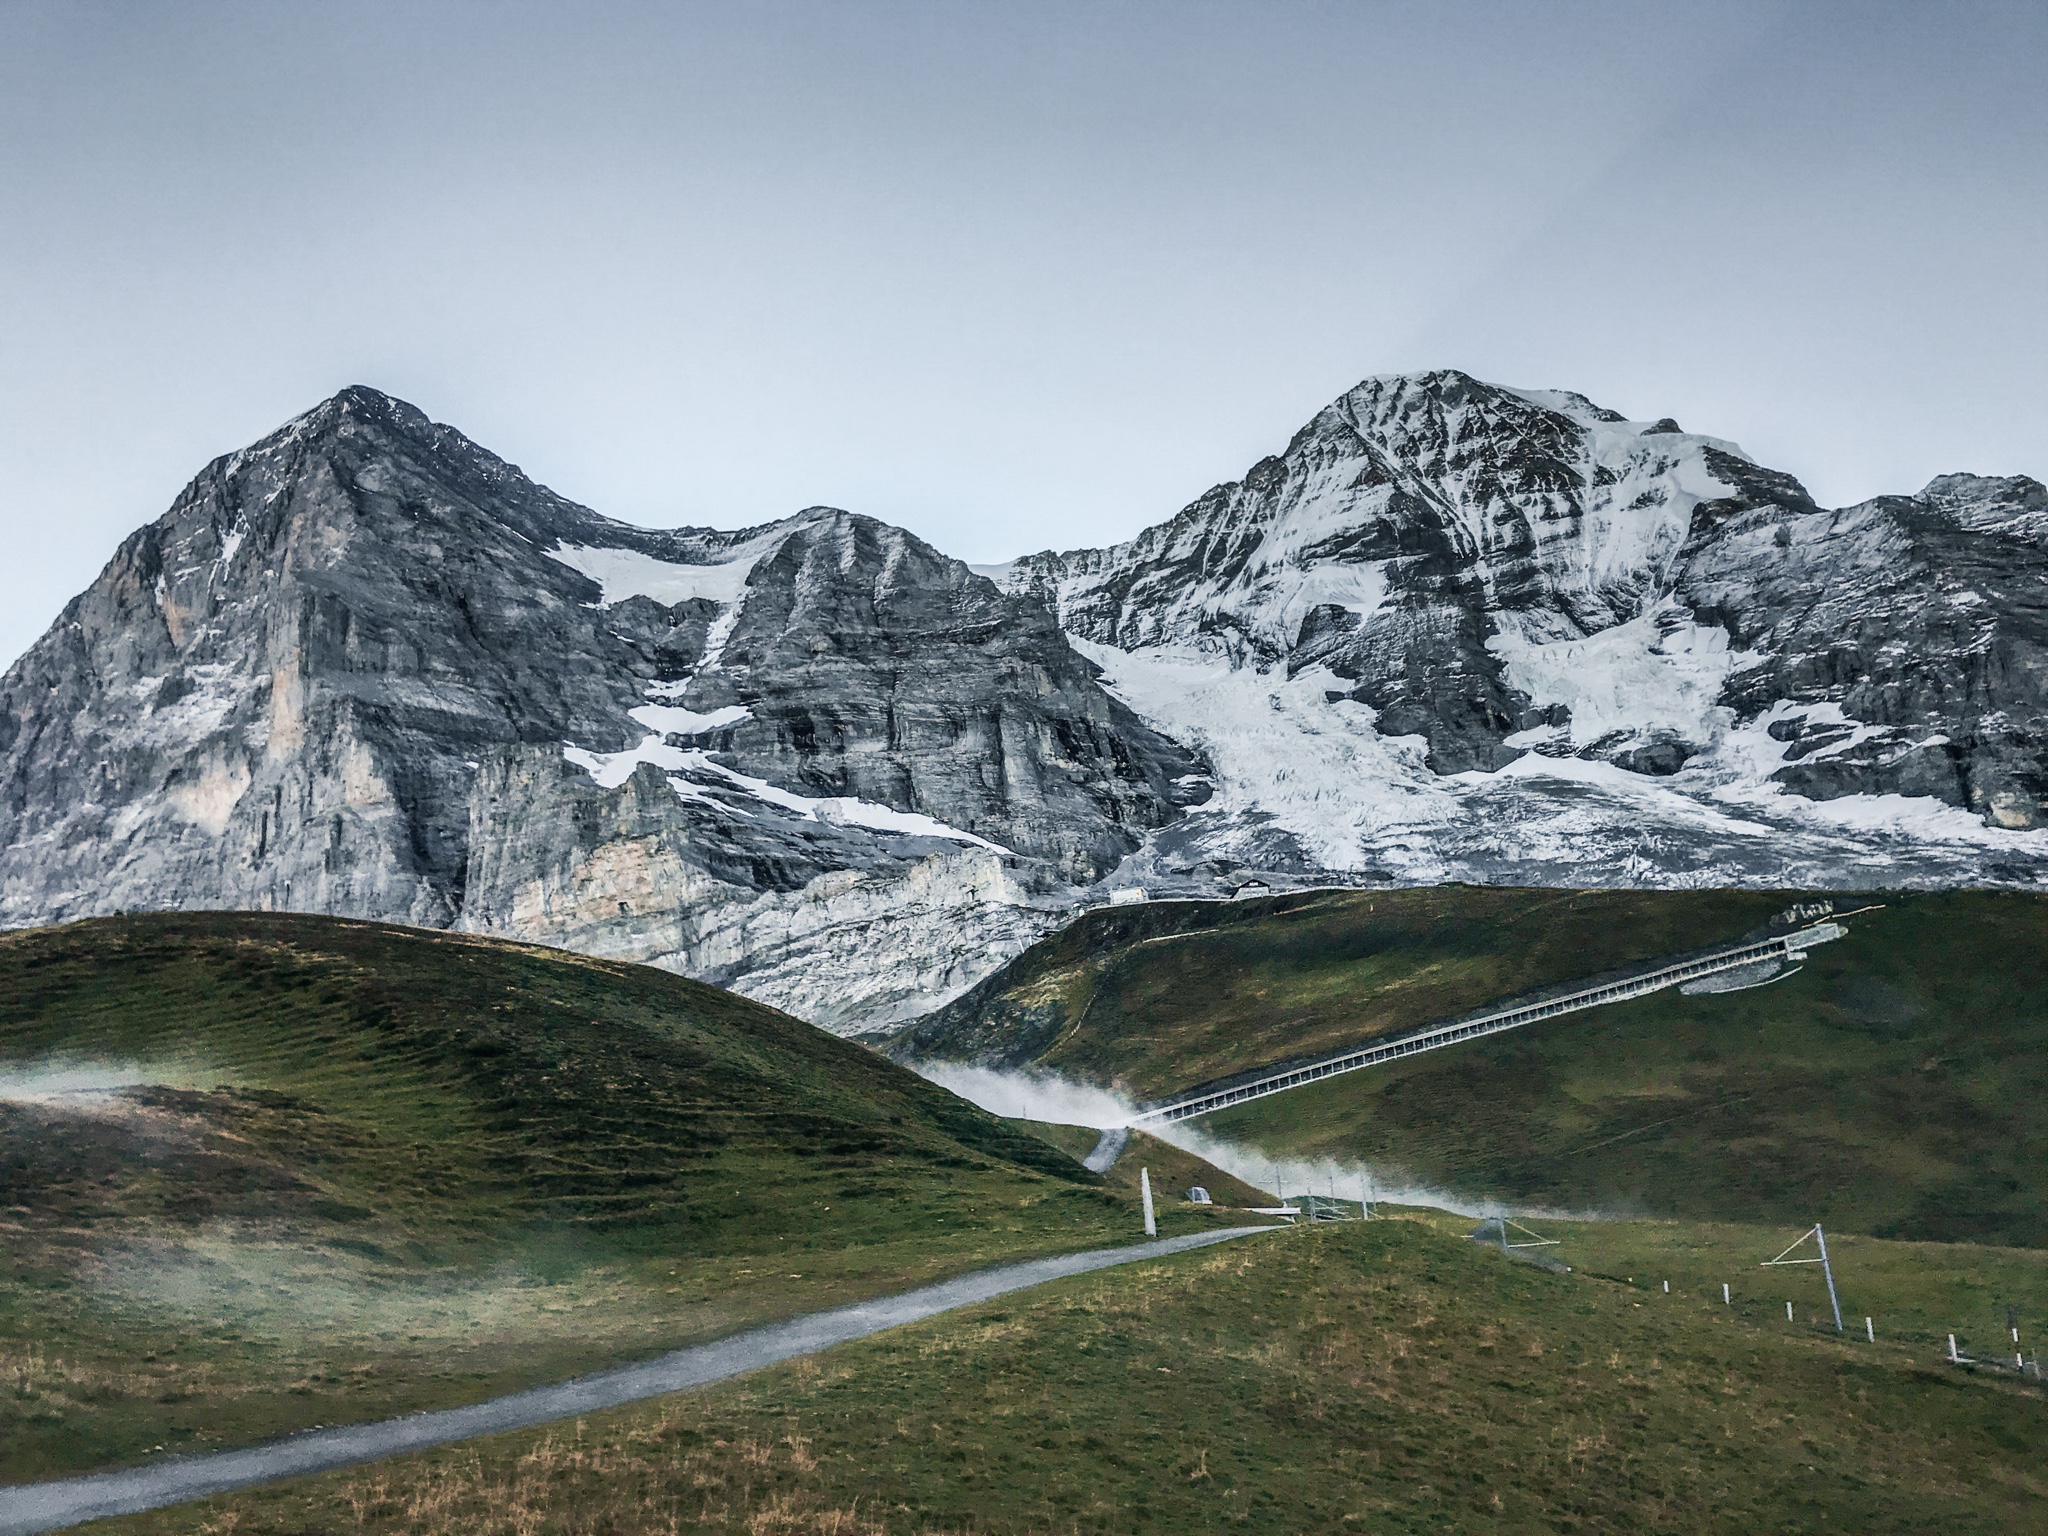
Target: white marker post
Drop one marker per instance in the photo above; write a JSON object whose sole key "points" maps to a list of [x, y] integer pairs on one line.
{"points": [[1724, 1294], [1788, 1311], [1145, 1189], [1870, 1330]]}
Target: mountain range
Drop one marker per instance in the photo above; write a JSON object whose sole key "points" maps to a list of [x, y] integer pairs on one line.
{"points": [[1453, 632]]}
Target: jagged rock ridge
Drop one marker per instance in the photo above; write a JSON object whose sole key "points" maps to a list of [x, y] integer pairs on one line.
{"points": [[1456, 630], [365, 667], [1453, 631]]}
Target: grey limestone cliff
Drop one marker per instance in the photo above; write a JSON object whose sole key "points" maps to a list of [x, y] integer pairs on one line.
{"points": [[363, 667]]}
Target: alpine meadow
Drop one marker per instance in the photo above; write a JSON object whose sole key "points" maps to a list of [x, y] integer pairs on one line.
{"points": [[723, 901]]}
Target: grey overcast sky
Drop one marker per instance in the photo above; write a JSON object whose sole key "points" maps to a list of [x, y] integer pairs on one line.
{"points": [[1014, 275]]}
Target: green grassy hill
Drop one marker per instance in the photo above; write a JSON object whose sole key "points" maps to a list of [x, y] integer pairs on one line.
{"points": [[1157, 998], [1386, 1377], [338, 1169], [1897, 1085]]}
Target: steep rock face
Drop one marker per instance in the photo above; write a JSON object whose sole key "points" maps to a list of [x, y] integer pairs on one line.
{"points": [[1413, 521], [1901, 646], [274, 693], [874, 667], [1510, 582], [365, 667]]}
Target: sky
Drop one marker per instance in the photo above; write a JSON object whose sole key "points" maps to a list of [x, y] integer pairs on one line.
{"points": [[1012, 275]]}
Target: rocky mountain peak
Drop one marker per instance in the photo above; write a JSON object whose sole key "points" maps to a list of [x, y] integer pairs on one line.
{"points": [[2014, 506], [365, 666], [1516, 575], [1426, 505], [1452, 630]]}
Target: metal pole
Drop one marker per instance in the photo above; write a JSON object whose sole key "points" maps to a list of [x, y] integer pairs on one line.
{"points": [[1145, 1186], [1829, 1270]]}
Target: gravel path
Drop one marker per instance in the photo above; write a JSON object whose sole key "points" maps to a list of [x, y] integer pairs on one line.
{"points": [[1107, 1150], [32, 1507]]}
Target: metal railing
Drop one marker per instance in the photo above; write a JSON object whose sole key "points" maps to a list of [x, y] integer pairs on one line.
{"points": [[1436, 1036]]}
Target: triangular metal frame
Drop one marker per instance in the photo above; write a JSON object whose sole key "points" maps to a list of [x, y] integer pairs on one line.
{"points": [[1820, 1239], [1537, 1239], [1804, 1238]]}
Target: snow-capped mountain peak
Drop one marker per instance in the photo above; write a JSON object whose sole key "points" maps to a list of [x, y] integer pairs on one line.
{"points": [[1452, 630]]}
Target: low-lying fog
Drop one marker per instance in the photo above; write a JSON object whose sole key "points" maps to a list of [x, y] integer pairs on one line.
{"points": [[267, 1286], [53, 1081], [1045, 1096]]}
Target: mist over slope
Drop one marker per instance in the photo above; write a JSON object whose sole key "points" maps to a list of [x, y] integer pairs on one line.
{"points": [[1891, 1084], [463, 1086], [263, 1171]]}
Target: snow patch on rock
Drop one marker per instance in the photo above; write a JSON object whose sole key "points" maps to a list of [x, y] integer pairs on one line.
{"points": [[1659, 671], [1282, 750], [673, 720], [837, 810], [230, 547], [1293, 755], [623, 573], [691, 768]]}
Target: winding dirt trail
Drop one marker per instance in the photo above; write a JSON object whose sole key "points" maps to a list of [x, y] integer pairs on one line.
{"points": [[26, 1508]]}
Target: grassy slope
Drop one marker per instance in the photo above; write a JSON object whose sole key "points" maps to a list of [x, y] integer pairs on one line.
{"points": [[382, 1168], [1174, 1169], [1897, 1085], [1385, 1377], [1916, 1294], [1154, 999]]}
